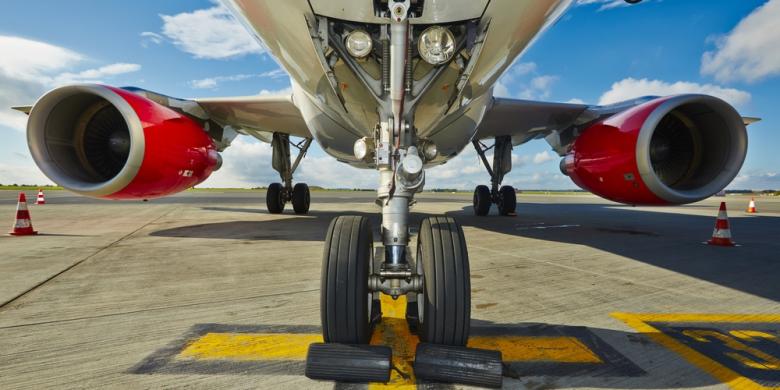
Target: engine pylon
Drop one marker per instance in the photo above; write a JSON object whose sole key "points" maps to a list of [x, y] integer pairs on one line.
{"points": [[752, 206], [23, 225], [41, 199], [721, 236]]}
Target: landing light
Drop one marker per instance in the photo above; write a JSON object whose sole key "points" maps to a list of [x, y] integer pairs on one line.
{"points": [[429, 149], [358, 43], [363, 149], [436, 45]]}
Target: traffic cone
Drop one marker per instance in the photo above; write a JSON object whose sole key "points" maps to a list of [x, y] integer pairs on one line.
{"points": [[721, 236], [41, 199], [752, 206], [23, 225]]}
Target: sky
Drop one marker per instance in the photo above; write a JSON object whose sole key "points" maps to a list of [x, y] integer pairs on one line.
{"points": [[601, 51]]}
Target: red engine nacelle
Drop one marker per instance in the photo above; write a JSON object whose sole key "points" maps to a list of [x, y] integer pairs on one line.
{"points": [[106, 142], [671, 150]]}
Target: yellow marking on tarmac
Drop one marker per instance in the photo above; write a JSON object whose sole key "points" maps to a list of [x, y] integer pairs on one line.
{"points": [[393, 331], [251, 346], [641, 323], [535, 349]]}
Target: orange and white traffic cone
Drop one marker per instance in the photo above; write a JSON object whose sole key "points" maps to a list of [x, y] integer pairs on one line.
{"points": [[23, 225], [752, 206], [721, 236], [41, 199]]}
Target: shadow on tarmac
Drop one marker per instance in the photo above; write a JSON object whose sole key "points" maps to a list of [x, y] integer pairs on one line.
{"points": [[668, 240]]}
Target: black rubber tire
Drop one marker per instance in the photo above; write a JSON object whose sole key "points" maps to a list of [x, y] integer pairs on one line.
{"points": [[507, 200], [301, 198], [482, 200], [444, 313], [344, 294], [273, 198]]}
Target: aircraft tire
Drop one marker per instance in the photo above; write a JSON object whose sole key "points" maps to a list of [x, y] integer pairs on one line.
{"points": [[273, 198], [301, 198], [444, 306], [482, 200], [507, 200], [346, 305]]}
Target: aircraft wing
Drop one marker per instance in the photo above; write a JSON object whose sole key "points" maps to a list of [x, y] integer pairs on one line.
{"points": [[257, 115]]}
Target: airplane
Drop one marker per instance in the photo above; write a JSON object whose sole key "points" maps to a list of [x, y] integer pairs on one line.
{"points": [[398, 86]]}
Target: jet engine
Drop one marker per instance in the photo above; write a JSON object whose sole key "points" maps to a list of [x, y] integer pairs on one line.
{"points": [[109, 143], [671, 150]]}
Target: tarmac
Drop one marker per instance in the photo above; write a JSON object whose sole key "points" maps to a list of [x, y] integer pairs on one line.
{"points": [[207, 290]]}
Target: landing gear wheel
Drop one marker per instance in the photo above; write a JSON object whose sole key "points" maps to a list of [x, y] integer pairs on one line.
{"points": [[444, 306], [482, 200], [274, 199], [347, 309], [507, 200], [301, 198]]}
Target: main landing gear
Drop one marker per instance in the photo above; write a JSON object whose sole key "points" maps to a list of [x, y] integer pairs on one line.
{"points": [[505, 197], [279, 194]]}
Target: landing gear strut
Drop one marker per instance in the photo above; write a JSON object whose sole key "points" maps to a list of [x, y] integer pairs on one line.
{"points": [[504, 197], [279, 194]]}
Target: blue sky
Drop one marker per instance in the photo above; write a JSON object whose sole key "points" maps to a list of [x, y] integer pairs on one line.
{"points": [[599, 52]]}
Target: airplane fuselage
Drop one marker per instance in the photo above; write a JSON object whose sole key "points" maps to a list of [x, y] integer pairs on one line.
{"points": [[445, 105]]}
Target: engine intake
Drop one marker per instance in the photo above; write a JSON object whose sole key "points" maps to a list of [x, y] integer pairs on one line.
{"points": [[106, 142], [671, 150]]}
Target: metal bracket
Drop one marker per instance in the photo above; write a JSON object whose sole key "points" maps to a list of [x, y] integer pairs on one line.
{"points": [[395, 280]]}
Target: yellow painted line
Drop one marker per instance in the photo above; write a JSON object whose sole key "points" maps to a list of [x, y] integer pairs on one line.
{"points": [[392, 331], [251, 346], [640, 323], [534, 349]]}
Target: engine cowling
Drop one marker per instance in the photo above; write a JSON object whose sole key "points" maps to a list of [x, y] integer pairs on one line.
{"points": [[671, 150], [106, 142]]}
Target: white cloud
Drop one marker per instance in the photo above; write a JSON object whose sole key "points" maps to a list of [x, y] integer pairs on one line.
{"points": [[500, 90], [33, 60], [523, 68], [148, 37], [247, 163], [22, 174], [631, 88], [213, 82], [749, 52], [543, 157], [42, 66], [575, 101], [95, 75], [537, 88], [277, 92], [756, 180], [540, 88], [211, 33]]}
